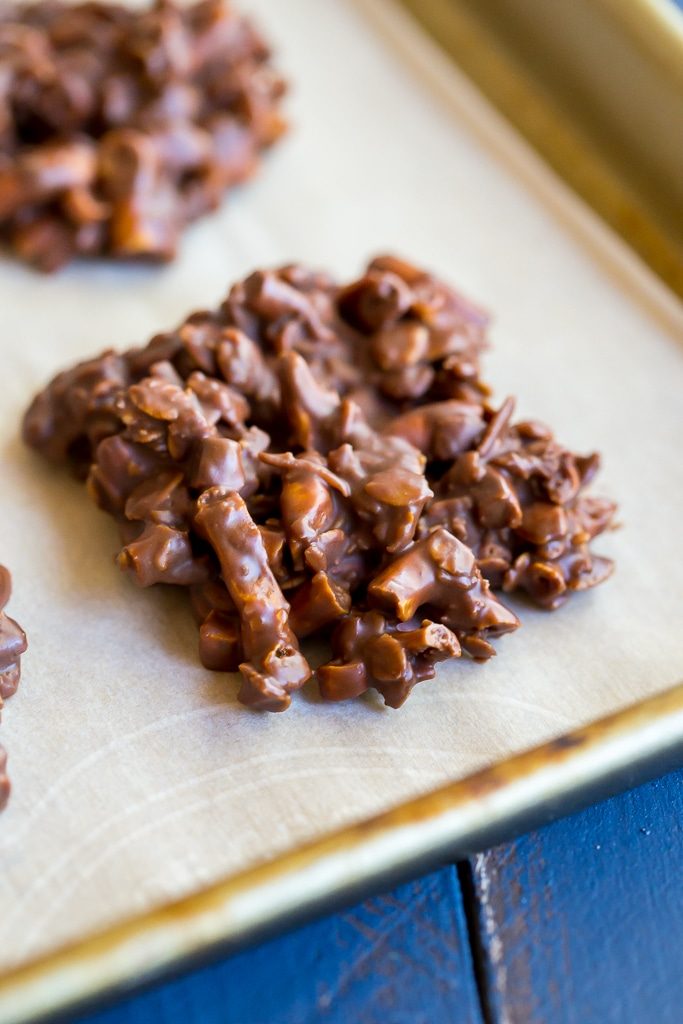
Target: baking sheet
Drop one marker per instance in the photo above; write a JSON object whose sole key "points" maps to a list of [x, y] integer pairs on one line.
{"points": [[137, 776]]}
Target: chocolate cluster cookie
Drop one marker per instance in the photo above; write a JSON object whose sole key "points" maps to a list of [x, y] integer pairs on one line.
{"points": [[12, 646], [311, 459], [118, 126]]}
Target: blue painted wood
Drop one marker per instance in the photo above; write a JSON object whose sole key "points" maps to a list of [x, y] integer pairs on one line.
{"points": [[400, 958], [582, 921]]}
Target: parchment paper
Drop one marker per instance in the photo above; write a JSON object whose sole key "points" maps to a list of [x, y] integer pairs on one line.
{"points": [[137, 777]]}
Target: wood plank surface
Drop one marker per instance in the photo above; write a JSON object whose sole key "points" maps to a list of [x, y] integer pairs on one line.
{"points": [[399, 958], [582, 921]]}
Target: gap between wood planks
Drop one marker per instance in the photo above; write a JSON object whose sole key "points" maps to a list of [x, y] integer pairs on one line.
{"points": [[473, 918]]}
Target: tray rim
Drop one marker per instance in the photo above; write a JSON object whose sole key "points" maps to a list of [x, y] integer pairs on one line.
{"points": [[529, 789], [532, 787], [492, 60]]}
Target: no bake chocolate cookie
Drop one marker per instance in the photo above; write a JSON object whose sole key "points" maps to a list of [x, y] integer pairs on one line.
{"points": [[119, 126], [311, 459]]}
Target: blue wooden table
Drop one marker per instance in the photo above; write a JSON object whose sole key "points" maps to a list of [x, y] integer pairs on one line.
{"points": [[580, 922]]}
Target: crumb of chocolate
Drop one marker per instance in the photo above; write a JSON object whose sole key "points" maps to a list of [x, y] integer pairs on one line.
{"points": [[311, 459], [120, 126]]}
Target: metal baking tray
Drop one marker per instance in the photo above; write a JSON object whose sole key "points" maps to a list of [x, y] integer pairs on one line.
{"points": [[596, 87], [136, 842]]}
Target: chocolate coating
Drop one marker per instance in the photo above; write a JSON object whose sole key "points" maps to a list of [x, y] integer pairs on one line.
{"points": [[12, 642], [119, 126], [390, 657], [517, 498], [277, 457], [273, 665], [440, 573]]}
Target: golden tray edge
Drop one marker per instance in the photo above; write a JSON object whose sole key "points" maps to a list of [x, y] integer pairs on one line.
{"points": [[549, 85]]}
